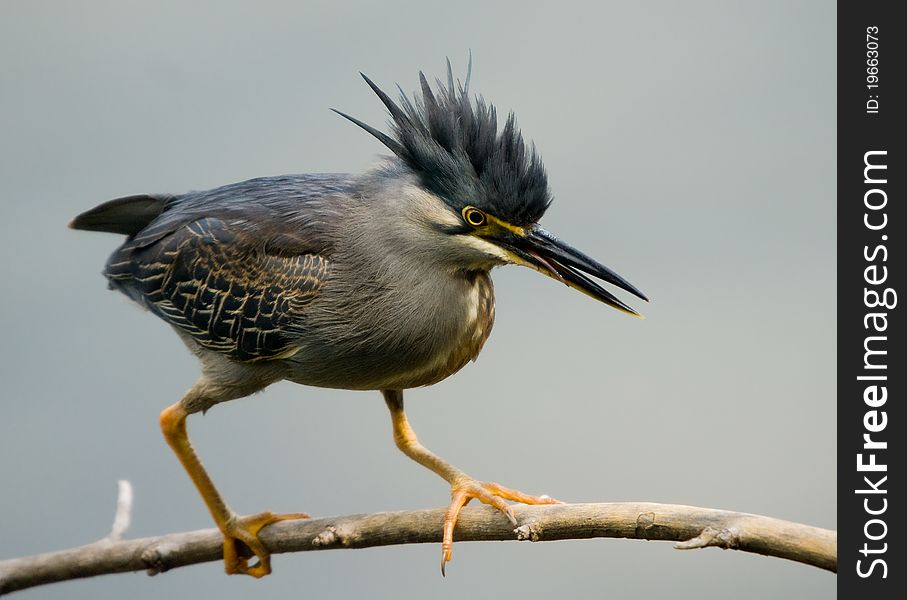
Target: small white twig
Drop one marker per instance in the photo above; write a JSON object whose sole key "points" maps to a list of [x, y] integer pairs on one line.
{"points": [[123, 515]]}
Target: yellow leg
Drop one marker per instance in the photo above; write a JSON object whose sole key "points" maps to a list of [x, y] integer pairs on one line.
{"points": [[237, 530], [463, 488]]}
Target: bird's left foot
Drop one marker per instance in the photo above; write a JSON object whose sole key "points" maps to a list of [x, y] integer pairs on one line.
{"points": [[464, 490], [243, 531]]}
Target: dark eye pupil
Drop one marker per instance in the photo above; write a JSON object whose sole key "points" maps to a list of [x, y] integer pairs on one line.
{"points": [[474, 217]]}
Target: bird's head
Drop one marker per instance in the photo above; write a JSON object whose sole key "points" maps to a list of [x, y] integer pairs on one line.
{"points": [[487, 190]]}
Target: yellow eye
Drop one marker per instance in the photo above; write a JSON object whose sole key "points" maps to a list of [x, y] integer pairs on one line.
{"points": [[474, 216]]}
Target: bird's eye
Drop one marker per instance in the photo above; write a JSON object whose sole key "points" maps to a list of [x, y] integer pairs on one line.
{"points": [[474, 216]]}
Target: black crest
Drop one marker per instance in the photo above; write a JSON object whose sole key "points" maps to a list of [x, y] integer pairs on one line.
{"points": [[454, 146]]}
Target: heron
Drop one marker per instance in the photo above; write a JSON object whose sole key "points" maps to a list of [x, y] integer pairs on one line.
{"points": [[373, 281]]}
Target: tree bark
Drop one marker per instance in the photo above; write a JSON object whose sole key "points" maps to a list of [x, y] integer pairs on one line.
{"points": [[691, 526]]}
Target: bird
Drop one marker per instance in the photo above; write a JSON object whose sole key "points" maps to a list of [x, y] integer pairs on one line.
{"points": [[371, 281]]}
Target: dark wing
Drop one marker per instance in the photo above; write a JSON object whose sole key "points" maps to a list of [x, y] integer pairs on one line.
{"points": [[233, 293]]}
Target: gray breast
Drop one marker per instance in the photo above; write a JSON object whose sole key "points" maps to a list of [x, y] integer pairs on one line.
{"points": [[398, 337], [461, 342]]}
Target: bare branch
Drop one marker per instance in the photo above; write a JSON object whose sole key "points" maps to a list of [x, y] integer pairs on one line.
{"points": [[693, 527]]}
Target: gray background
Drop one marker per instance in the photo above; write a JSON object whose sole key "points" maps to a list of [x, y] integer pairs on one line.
{"points": [[690, 146]]}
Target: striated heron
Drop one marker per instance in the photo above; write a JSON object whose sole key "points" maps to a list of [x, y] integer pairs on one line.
{"points": [[377, 281]]}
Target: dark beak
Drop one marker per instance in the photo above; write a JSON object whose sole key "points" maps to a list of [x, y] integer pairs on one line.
{"points": [[545, 253]]}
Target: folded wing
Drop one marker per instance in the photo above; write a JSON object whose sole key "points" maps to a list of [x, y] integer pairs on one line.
{"points": [[228, 290]]}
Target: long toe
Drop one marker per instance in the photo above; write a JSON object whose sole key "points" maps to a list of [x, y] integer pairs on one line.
{"points": [[493, 494], [241, 536]]}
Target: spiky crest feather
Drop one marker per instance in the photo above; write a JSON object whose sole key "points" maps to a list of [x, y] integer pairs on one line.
{"points": [[452, 143]]}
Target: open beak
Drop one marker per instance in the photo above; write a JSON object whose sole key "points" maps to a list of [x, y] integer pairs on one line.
{"points": [[542, 251]]}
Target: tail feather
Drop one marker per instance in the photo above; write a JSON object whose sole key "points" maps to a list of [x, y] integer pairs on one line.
{"points": [[127, 215]]}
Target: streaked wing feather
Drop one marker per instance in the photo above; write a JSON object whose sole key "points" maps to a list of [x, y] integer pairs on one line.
{"points": [[232, 294]]}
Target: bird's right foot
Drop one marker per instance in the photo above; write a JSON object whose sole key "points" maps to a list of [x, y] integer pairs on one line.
{"points": [[465, 489], [241, 535]]}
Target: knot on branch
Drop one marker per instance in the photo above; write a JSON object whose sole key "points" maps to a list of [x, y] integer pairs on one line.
{"points": [[326, 538], [726, 537], [531, 530], [644, 522], [333, 536], [155, 556]]}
